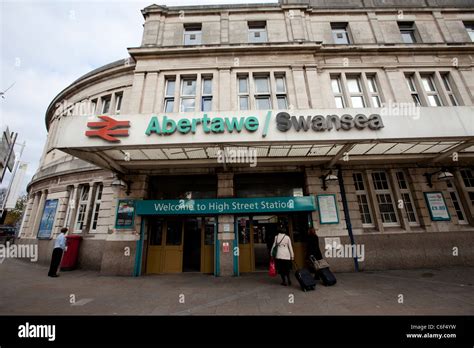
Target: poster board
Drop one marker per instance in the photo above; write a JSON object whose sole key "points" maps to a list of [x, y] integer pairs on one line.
{"points": [[437, 206], [125, 217], [327, 209], [47, 219]]}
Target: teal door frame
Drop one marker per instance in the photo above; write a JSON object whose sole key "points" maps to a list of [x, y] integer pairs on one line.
{"points": [[235, 248], [139, 250]]}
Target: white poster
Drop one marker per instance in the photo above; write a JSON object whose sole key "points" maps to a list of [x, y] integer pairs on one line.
{"points": [[437, 206], [327, 209]]}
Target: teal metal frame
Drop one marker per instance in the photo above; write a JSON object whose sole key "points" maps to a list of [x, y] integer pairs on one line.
{"points": [[236, 245], [139, 250], [217, 254]]}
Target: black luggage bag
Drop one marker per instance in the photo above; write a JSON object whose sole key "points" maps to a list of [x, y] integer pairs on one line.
{"points": [[326, 276], [305, 278]]}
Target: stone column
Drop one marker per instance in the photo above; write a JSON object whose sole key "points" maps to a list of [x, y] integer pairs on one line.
{"points": [[149, 93], [62, 211], [26, 218], [134, 105], [300, 88], [73, 204], [224, 85], [419, 186], [39, 213], [225, 228]]}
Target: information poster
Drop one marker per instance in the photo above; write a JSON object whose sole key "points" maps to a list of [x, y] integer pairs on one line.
{"points": [[125, 214], [437, 206], [47, 220], [327, 208]]}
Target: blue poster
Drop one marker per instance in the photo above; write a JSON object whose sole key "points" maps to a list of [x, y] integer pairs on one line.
{"points": [[47, 220]]}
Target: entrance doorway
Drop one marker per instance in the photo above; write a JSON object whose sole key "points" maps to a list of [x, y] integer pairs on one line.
{"points": [[192, 246], [180, 244], [256, 235]]}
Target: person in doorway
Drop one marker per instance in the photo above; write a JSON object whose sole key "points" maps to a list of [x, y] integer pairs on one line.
{"points": [[312, 249], [284, 256], [313, 244], [59, 246]]}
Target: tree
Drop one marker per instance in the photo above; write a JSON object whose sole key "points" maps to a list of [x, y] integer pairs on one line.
{"points": [[15, 215]]}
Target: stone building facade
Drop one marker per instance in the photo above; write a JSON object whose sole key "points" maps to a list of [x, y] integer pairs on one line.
{"points": [[410, 62]]}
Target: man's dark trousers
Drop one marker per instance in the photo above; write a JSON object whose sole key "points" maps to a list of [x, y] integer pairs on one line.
{"points": [[55, 260]]}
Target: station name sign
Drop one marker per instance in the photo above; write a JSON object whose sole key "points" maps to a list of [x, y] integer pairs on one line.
{"points": [[225, 206], [284, 122], [110, 129]]}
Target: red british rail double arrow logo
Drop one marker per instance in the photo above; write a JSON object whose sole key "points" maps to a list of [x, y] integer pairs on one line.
{"points": [[108, 129]]}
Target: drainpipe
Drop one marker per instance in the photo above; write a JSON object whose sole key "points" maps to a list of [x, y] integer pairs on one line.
{"points": [[346, 214]]}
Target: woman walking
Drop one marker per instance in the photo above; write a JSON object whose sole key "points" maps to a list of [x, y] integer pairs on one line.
{"points": [[284, 255]]}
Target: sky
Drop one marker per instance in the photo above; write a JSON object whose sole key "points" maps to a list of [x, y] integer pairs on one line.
{"points": [[46, 45]]}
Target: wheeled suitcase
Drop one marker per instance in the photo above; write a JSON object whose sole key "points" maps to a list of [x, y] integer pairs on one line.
{"points": [[306, 280], [326, 276]]}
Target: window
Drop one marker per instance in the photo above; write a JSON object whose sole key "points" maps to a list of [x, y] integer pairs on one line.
{"points": [[69, 206], [429, 86], [188, 94], [384, 198], [206, 104], [336, 89], [470, 29], [82, 209], [412, 87], [340, 33], [362, 200], [93, 106], [453, 194], [449, 90], [407, 31], [406, 198], [97, 202], [468, 178], [192, 34], [355, 92], [174, 232], [262, 93], [156, 231], [169, 95], [257, 32], [105, 104], [243, 91], [373, 91], [118, 103], [281, 92]]}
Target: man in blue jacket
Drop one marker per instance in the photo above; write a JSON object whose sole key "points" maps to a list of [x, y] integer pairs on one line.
{"points": [[59, 246]]}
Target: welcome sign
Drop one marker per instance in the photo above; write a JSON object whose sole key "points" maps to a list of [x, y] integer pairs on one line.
{"points": [[225, 206]]}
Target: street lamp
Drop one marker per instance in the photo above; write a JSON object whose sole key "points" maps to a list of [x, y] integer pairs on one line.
{"points": [[443, 175], [328, 177]]}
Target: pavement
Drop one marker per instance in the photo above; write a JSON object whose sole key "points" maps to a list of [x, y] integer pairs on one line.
{"points": [[26, 289]]}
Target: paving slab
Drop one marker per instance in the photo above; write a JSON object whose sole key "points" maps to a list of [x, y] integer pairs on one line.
{"points": [[26, 290]]}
